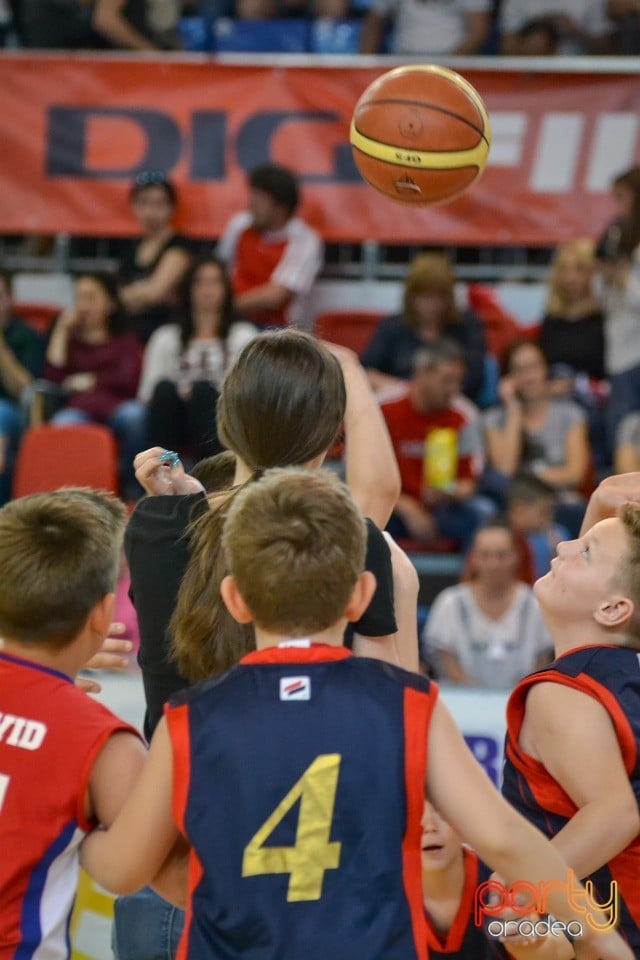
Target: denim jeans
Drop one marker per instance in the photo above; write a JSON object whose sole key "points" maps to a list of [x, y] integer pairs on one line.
{"points": [[128, 422], [146, 927]]}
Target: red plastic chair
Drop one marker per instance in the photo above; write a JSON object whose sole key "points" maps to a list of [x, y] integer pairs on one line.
{"points": [[352, 328], [52, 457], [40, 316]]}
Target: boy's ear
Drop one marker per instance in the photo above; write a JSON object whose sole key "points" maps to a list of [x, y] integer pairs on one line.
{"points": [[234, 601], [101, 615], [361, 596], [615, 612]]}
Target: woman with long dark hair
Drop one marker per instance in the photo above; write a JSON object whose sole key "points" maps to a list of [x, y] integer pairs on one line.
{"points": [[185, 362], [96, 365]]}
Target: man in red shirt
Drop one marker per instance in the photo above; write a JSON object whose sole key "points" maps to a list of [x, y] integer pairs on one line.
{"points": [[273, 256], [439, 450]]}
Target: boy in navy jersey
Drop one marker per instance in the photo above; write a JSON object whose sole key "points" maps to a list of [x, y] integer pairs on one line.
{"points": [[65, 760], [298, 777], [573, 728]]}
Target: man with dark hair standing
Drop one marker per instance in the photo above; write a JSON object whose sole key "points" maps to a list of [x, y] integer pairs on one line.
{"points": [[272, 255]]}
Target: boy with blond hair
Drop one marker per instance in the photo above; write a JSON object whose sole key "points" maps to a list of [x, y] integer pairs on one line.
{"points": [[298, 777], [65, 760]]}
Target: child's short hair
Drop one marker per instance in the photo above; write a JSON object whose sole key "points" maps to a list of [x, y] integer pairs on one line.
{"points": [[217, 472], [59, 555], [527, 488], [295, 544]]}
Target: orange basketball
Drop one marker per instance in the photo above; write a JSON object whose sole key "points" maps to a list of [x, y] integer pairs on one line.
{"points": [[420, 134]]}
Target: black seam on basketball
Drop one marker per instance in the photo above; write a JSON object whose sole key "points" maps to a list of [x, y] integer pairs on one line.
{"points": [[412, 166], [431, 106]]}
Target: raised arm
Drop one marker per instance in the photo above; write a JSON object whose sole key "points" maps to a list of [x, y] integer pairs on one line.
{"points": [[504, 443], [371, 466], [610, 494]]}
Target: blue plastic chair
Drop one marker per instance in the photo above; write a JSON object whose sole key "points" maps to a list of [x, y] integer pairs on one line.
{"points": [[261, 36], [335, 36]]}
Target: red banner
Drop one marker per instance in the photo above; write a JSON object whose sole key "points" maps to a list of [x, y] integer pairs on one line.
{"points": [[75, 130]]}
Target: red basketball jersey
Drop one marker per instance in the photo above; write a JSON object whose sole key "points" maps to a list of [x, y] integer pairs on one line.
{"points": [[50, 735]]}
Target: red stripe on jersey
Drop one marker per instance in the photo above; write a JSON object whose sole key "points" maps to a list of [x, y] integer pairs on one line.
{"points": [[547, 791], [418, 707], [195, 876], [451, 942], [178, 727], [315, 653]]}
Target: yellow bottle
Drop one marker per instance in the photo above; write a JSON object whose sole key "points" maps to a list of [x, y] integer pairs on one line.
{"points": [[441, 458]]}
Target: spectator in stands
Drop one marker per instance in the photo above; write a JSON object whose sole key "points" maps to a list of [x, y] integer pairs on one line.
{"points": [[627, 450], [429, 313], [572, 338], [153, 266], [123, 24], [185, 363], [266, 9], [97, 368], [487, 632], [619, 250], [458, 27], [21, 360], [530, 511], [534, 432], [571, 334], [273, 256], [582, 25], [439, 452]]}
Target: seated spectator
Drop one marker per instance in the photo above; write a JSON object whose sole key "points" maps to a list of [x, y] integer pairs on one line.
{"points": [[438, 450], [97, 368], [619, 290], [572, 338], [627, 449], [582, 25], [153, 266], [21, 360], [429, 313], [487, 632], [123, 24], [185, 363], [534, 432], [571, 334], [273, 256], [458, 27], [530, 511]]}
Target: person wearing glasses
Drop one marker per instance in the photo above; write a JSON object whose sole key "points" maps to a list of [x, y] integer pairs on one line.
{"points": [[154, 264]]}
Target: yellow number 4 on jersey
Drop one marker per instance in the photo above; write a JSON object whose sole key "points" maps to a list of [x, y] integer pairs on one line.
{"points": [[312, 853]]}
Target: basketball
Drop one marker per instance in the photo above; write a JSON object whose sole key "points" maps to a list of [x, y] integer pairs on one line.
{"points": [[420, 134]]}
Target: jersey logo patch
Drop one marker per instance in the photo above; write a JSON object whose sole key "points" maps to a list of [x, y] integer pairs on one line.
{"points": [[295, 688]]}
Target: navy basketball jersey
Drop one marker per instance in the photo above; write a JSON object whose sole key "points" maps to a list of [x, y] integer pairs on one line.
{"points": [[464, 940], [611, 675], [299, 783]]}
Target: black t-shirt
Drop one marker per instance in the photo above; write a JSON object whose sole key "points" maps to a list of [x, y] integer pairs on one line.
{"points": [[158, 552], [145, 322], [577, 343]]}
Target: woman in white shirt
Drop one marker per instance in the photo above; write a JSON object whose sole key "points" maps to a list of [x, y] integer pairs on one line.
{"points": [[185, 363], [488, 631]]}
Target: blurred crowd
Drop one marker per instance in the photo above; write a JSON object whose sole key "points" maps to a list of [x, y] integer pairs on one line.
{"points": [[420, 27], [500, 432]]}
